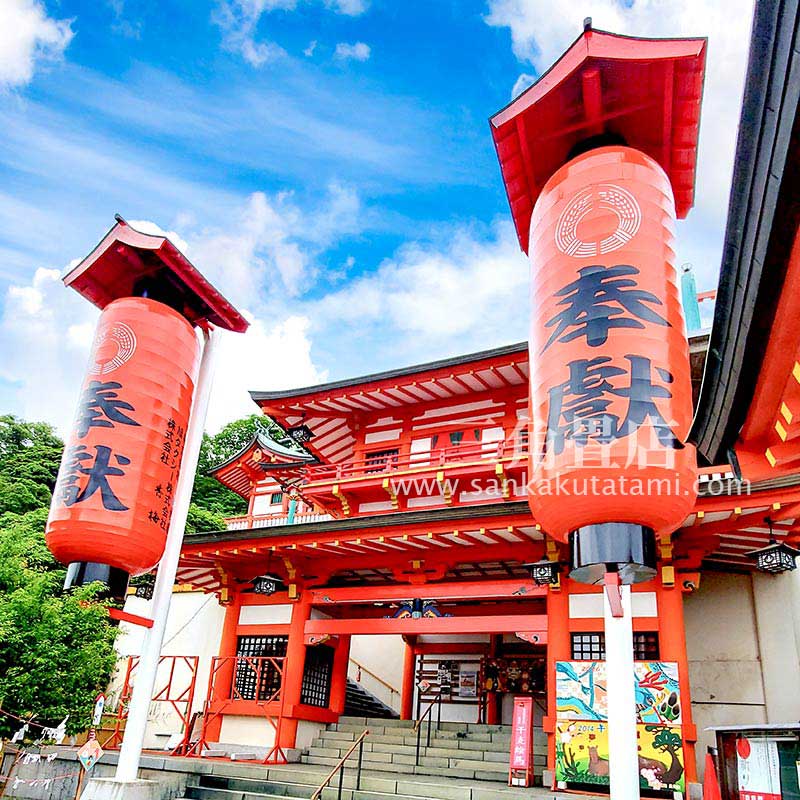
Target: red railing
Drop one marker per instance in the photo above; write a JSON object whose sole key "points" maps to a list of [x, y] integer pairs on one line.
{"points": [[454, 455], [253, 679], [175, 684], [271, 520]]}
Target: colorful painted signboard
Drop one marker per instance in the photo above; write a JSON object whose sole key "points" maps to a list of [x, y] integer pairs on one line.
{"points": [[90, 753], [759, 769], [582, 730], [582, 755], [581, 691]]}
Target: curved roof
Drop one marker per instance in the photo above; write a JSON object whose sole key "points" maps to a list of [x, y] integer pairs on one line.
{"points": [[763, 215], [124, 256], [262, 455], [646, 91]]}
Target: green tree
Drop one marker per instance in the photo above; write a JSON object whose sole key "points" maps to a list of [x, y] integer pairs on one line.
{"points": [[208, 492], [56, 648], [201, 520], [29, 451]]}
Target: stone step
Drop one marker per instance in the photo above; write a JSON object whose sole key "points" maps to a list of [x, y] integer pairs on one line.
{"points": [[400, 743], [485, 771], [247, 782], [498, 739]]}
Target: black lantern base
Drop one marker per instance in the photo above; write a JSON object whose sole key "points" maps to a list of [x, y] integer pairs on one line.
{"points": [[622, 547], [80, 573]]}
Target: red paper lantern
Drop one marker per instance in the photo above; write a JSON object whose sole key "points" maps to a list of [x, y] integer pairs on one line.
{"points": [[113, 499], [611, 401]]}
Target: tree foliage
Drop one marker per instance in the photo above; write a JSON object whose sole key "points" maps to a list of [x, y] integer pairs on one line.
{"points": [[208, 492], [56, 648]]}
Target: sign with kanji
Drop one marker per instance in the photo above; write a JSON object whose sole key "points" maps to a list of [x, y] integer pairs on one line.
{"points": [[99, 706], [113, 498], [521, 764], [758, 769]]}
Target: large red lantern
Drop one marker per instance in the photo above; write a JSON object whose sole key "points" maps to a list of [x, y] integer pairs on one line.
{"points": [[113, 498], [611, 397]]}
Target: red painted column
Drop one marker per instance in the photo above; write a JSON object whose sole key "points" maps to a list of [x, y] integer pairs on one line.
{"points": [[672, 647], [224, 676], [491, 697], [341, 661], [558, 649], [407, 687], [293, 668]]}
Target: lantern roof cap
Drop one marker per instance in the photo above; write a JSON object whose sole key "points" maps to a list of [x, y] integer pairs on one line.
{"points": [[774, 545], [605, 88], [125, 257]]}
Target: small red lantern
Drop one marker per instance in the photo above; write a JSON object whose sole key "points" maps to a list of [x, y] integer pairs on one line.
{"points": [[113, 498]]}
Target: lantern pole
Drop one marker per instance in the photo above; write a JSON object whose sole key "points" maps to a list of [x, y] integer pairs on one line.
{"points": [[623, 751], [131, 749]]}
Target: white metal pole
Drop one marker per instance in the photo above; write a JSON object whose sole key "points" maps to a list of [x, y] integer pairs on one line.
{"points": [[623, 755], [131, 750]]}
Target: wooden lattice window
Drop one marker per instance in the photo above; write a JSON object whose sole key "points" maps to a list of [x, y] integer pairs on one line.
{"points": [[588, 647], [379, 460], [592, 646], [316, 690], [247, 671]]}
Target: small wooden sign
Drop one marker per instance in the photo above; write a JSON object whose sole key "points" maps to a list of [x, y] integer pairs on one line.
{"points": [[520, 772]]}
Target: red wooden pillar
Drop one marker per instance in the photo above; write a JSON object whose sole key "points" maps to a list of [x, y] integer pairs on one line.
{"points": [[341, 661], [407, 686], [558, 649], [224, 676], [293, 668], [672, 647], [491, 697]]}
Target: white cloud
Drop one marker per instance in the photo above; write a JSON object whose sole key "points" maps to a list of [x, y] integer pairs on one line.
{"points": [[238, 20], [266, 357], [274, 242], [351, 8], [358, 51], [468, 291], [27, 36], [540, 33], [521, 84], [312, 46], [44, 353]]}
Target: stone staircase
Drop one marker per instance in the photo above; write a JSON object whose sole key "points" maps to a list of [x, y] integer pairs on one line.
{"points": [[293, 781], [361, 703], [457, 749]]}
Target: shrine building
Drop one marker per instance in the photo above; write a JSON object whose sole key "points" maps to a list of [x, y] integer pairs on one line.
{"points": [[393, 564]]}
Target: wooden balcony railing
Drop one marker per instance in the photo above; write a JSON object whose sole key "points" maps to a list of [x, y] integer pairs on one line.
{"points": [[271, 520], [457, 455]]}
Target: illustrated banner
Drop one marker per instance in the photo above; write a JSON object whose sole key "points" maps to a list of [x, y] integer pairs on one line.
{"points": [[582, 755], [581, 691]]}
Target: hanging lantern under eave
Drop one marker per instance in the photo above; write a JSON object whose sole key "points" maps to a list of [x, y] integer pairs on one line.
{"points": [[610, 378], [266, 585], [112, 502], [776, 557], [544, 572], [598, 158]]}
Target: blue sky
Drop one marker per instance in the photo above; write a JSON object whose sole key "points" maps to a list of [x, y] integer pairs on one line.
{"points": [[328, 163]]}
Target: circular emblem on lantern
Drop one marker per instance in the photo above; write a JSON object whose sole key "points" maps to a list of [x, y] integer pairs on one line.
{"points": [[598, 220], [113, 347]]}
